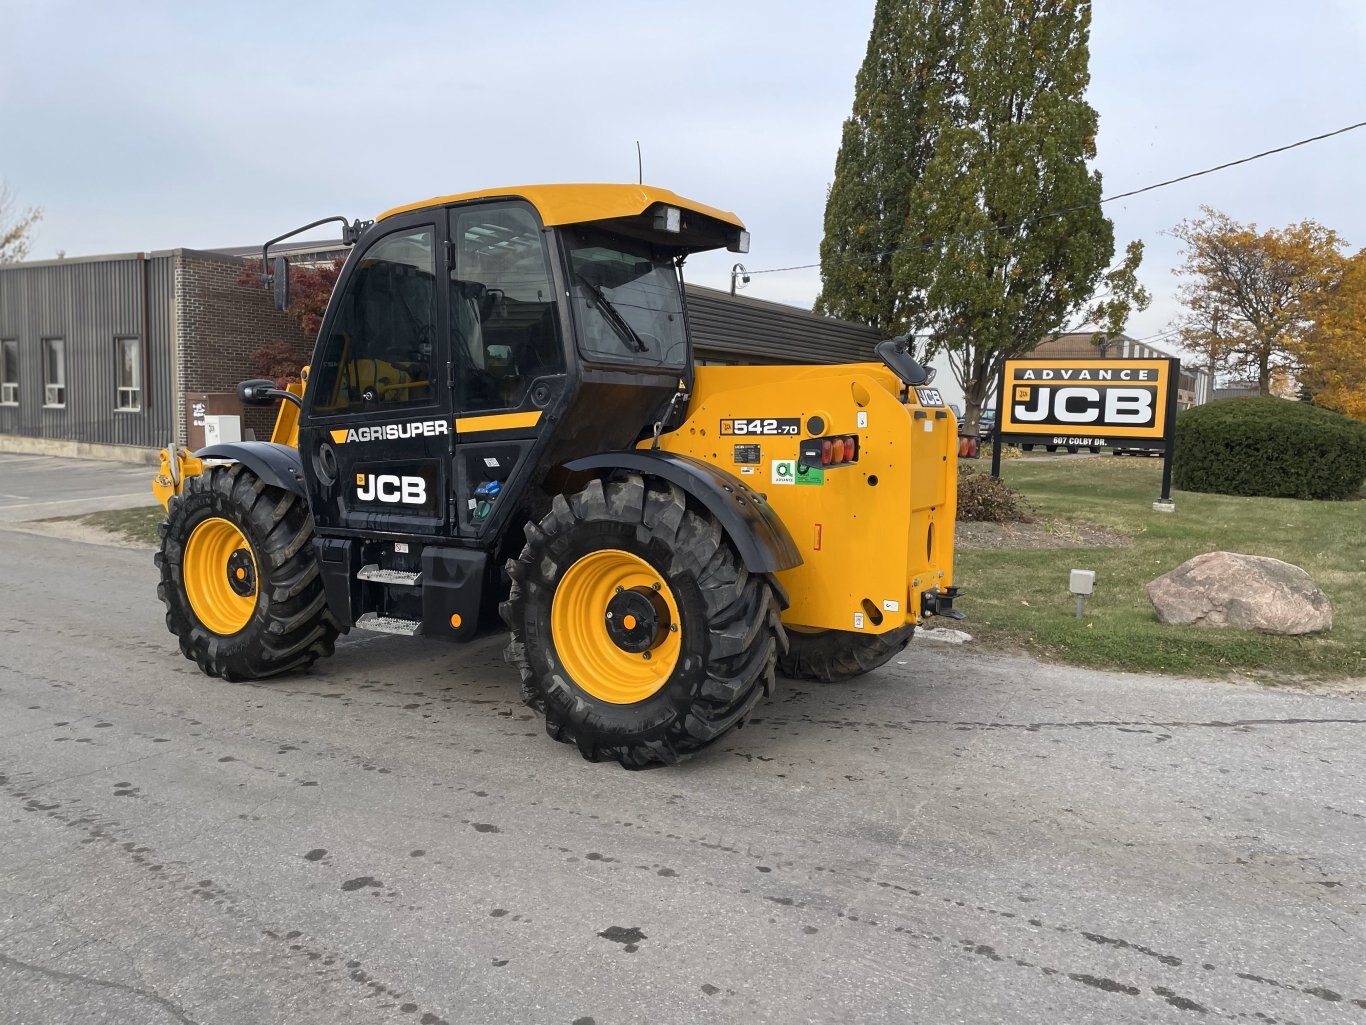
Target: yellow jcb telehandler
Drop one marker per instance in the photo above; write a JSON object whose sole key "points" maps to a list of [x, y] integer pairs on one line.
{"points": [[502, 414]]}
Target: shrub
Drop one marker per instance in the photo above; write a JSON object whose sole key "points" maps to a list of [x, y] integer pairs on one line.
{"points": [[1269, 447], [984, 498], [278, 361]]}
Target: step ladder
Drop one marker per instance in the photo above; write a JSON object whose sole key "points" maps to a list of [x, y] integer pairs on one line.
{"points": [[378, 623], [391, 577]]}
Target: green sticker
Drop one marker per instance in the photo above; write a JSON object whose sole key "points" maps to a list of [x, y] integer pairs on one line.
{"points": [[810, 475]]}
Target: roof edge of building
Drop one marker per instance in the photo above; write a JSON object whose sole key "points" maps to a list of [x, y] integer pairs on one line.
{"points": [[773, 305], [65, 260]]}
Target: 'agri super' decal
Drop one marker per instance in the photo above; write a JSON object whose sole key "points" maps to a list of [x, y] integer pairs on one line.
{"points": [[392, 432]]}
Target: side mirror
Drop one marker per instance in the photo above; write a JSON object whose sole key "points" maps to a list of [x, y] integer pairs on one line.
{"points": [[257, 393], [895, 352], [280, 279]]}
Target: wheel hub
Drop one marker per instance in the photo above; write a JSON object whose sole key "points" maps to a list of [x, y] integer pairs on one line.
{"points": [[616, 626], [637, 619], [218, 572], [242, 573]]}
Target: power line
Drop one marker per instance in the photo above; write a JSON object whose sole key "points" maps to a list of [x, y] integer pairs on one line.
{"points": [[1073, 209]]}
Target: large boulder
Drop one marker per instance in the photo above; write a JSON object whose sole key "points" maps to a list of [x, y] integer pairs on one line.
{"points": [[1244, 591]]}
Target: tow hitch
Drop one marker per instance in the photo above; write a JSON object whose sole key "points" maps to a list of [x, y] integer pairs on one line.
{"points": [[938, 602]]}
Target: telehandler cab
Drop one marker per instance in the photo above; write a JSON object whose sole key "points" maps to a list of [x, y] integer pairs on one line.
{"points": [[502, 413]]}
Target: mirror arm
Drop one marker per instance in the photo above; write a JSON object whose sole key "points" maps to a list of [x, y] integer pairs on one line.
{"points": [[288, 396], [351, 232]]}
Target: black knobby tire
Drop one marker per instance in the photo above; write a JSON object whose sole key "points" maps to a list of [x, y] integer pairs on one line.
{"points": [[833, 656], [290, 626], [731, 633]]}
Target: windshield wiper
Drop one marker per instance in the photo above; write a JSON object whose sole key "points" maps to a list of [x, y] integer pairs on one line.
{"points": [[614, 317]]}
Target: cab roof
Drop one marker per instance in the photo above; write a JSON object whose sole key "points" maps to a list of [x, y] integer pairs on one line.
{"points": [[577, 204]]}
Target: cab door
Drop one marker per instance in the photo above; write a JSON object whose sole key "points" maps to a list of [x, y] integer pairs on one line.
{"points": [[376, 436], [508, 358]]}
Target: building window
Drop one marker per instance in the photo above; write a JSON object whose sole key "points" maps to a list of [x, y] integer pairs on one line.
{"points": [[128, 373], [9, 372], [54, 372]]}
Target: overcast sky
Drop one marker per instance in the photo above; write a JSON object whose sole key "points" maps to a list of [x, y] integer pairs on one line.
{"points": [[141, 126]]}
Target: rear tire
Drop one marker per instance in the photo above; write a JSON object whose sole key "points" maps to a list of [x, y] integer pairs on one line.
{"points": [[711, 671], [273, 616], [833, 656]]}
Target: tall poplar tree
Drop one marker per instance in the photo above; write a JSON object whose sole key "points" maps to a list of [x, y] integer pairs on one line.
{"points": [[905, 91], [997, 245]]}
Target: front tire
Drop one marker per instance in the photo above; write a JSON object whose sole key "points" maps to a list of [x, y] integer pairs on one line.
{"points": [[637, 630], [240, 577], [833, 656]]}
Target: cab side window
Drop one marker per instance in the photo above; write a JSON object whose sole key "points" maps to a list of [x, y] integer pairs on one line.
{"points": [[504, 331], [380, 353]]}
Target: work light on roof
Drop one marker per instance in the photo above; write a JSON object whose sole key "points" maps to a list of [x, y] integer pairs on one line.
{"points": [[669, 218]]}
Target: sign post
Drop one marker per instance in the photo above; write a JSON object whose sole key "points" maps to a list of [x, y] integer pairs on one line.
{"points": [[1092, 403], [1164, 502]]}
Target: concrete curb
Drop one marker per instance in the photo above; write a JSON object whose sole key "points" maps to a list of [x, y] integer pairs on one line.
{"points": [[18, 445]]}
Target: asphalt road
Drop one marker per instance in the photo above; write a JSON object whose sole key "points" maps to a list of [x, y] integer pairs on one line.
{"points": [[392, 838], [34, 487]]}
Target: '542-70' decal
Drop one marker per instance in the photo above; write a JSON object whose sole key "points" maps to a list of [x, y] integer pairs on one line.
{"points": [[782, 425]]}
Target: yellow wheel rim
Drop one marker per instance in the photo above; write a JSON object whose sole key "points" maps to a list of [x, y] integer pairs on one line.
{"points": [[219, 573], [616, 626]]}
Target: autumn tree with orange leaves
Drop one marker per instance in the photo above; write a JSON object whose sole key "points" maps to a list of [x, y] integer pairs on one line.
{"points": [[1333, 356], [1253, 297]]}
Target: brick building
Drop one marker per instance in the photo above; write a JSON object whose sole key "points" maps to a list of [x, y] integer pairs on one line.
{"points": [[98, 354]]}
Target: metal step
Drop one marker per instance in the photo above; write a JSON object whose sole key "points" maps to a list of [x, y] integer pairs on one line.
{"points": [[396, 577], [389, 624]]}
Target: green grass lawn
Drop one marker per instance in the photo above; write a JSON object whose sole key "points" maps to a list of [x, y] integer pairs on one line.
{"points": [[1019, 598]]}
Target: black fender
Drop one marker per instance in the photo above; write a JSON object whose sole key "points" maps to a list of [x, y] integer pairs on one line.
{"points": [[278, 465], [749, 521]]}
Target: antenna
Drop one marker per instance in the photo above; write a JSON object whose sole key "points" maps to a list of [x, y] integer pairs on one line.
{"points": [[640, 167]]}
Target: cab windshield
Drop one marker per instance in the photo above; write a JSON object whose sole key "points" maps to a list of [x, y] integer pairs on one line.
{"points": [[627, 300]]}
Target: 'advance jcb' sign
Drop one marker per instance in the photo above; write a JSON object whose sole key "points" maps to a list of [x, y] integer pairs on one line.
{"points": [[1087, 401]]}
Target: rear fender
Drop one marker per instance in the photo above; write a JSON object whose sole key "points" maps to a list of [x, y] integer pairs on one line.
{"points": [[278, 465], [749, 521]]}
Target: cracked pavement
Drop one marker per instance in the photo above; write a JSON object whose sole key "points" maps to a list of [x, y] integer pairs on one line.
{"points": [[392, 838]]}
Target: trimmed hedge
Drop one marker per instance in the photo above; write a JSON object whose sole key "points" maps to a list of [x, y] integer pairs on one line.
{"points": [[1269, 447]]}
